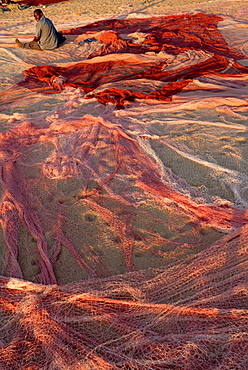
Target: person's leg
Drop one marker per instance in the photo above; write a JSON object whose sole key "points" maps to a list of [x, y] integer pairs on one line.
{"points": [[28, 45], [32, 45]]}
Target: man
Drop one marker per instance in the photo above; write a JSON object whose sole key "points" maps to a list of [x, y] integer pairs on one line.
{"points": [[46, 36]]}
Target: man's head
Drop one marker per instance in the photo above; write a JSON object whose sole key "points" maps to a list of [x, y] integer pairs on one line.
{"points": [[38, 14]]}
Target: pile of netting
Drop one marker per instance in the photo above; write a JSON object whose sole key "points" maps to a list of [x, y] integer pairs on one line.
{"points": [[193, 316], [195, 36], [37, 2]]}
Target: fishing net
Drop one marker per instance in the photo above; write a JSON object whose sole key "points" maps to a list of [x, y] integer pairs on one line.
{"points": [[123, 202], [191, 316]]}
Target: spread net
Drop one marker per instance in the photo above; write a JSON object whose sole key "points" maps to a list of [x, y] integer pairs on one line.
{"points": [[123, 200], [190, 316]]}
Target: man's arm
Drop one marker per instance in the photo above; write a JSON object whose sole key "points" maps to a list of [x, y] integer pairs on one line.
{"points": [[38, 32]]}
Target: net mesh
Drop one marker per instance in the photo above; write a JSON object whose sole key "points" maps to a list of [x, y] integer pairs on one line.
{"points": [[191, 316], [97, 157], [124, 237]]}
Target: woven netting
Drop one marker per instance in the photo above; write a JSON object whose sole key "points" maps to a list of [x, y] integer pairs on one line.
{"points": [[193, 316], [123, 239], [85, 190]]}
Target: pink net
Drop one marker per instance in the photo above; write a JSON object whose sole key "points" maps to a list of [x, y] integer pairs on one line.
{"points": [[114, 253], [191, 316]]}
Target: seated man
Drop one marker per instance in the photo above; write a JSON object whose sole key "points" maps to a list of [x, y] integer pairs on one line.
{"points": [[46, 36]]}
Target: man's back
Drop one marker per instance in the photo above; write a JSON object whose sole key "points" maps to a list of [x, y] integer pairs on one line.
{"points": [[47, 34]]}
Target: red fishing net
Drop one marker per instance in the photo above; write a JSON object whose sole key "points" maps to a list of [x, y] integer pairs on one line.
{"points": [[115, 221], [173, 35], [38, 2]]}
